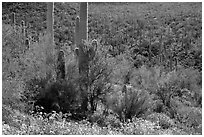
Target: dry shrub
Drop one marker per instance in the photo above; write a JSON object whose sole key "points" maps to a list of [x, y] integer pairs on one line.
{"points": [[132, 103]]}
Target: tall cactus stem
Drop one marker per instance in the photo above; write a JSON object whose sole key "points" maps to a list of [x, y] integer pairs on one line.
{"points": [[83, 21], [61, 66], [23, 31], [50, 21], [81, 33], [23, 27], [13, 20], [50, 46]]}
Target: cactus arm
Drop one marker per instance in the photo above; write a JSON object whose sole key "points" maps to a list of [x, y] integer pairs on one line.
{"points": [[76, 39]]}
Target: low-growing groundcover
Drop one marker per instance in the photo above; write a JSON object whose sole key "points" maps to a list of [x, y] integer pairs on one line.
{"points": [[56, 125]]}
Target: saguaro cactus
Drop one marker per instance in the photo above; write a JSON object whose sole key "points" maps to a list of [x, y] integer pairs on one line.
{"points": [[77, 40], [23, 27], [81, 33], [24, 33], [13, 18], [84, 51], [49, 45], [61, 66], [83, 21], [50, 8]]}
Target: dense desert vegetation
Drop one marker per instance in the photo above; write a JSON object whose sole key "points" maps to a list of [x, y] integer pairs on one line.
{"points": [[145, 77]]}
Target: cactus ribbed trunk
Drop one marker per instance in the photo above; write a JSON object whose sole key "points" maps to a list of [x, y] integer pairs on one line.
{"points": [[160, 52], [13, 20], [83, 25], [83, 66], [81, 33], [50, 34], [23, 32], [176, 63], [61, 66], [23, 28], [171, 63], [50, 21]]}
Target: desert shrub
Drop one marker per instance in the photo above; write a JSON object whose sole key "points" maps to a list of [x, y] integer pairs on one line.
{"points": [[183, 83], [37, 63], [72, 74], [58, 96], [126, 105], [146, 77], [12, 51], [13, 85], [68, 97], [12, 40], [7, 114], [98, 75], [190, 116], [121, 65], [33, 88], [188, 78], [137, 103], [13, 117], [191, 80], [12, 94], [40, 75]]}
